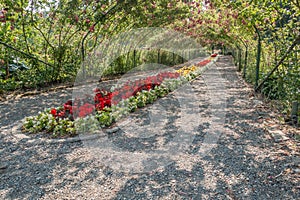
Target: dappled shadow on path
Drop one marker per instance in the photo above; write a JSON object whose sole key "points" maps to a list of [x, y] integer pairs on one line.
{"points": [[245, 164]]}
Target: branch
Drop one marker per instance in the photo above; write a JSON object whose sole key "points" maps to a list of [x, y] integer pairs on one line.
{"points": [[295, 43], [23, 28], [89, 31], [41, 32], [22, 52]]}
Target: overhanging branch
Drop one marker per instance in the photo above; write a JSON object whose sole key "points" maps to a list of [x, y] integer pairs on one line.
{"points": [[295, 43], [24, 53]]}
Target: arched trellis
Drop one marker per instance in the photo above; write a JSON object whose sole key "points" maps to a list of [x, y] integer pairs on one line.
{"points": [[132, 42]]}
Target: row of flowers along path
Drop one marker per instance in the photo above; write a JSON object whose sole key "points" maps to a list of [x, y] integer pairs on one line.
{"points": [[109, 106]]}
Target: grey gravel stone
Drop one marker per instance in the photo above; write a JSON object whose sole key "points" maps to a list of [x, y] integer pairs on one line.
{"points": [[3, 166], [242, 165], [278, 135], [112, 130]]}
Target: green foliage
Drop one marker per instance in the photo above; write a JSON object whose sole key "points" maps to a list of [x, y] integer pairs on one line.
{"points": [[89, 124], [160, 91], [54, 37], [273, 88], [143, 60], [238, 25], [61, 33]]}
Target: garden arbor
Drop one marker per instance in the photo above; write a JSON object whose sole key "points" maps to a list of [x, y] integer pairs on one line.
{"points": [[54, 37]]}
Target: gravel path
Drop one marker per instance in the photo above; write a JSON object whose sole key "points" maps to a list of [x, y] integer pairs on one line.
{"points": [[204, 141]]}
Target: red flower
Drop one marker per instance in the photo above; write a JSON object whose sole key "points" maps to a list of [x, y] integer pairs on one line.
{"points": [[53, 112], [69, 102], [100, 105], [149, 86], [107, 102], [128, 94], [73, 109], [109, 95], [81, 114], [86, 109], [115, 93], [203, 63], [67, 107], [98, 98], [61, 114], [126, 87]]}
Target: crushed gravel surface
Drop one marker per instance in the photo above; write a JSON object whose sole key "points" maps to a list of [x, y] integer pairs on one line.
{"points": [[203, 141]]}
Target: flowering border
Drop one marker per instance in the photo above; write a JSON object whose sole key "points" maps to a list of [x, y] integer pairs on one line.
{"points": [[108, 107]]}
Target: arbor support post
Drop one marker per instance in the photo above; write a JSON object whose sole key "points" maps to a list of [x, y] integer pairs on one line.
{"points": [[240, 59], [245, 64], [134, 58], [158, 56], [294, 113], [257, 57]]}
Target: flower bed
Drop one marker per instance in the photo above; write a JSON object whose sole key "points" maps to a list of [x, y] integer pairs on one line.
{"points": [[106, 107], [102, 98]]}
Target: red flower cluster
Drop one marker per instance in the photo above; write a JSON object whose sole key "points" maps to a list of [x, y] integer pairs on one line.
{"points": [[68, 108], [67, 111], [82, 107], [203, 63], [86, 109], [131, 88], [214, 55], [103, 98]]}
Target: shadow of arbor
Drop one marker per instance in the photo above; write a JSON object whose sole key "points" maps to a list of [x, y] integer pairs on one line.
{"points": [[242, 166]]}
